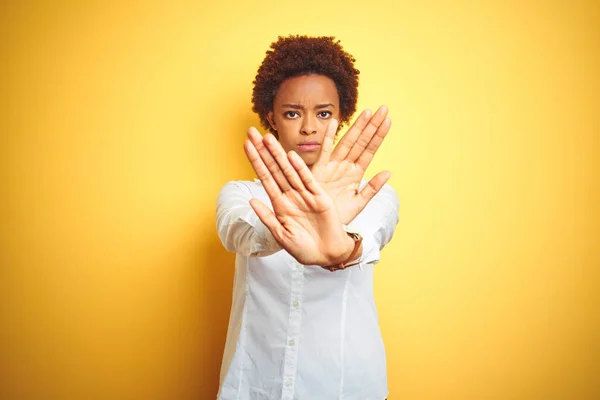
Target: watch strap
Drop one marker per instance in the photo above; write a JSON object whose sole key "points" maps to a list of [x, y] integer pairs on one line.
{"points": [[348, 263]]}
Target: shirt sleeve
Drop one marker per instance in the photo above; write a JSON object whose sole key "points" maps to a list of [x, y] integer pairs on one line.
{"points": [[238, 226], [377, 223]]}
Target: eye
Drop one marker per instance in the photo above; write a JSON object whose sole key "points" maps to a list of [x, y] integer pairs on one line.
{"points": [[324, 114], [291, 114]]}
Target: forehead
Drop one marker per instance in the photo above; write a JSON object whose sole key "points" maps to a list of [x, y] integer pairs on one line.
{"points": [[307, 89]]}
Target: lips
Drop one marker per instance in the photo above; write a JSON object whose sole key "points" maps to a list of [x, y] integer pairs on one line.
{"points": [[309, 146]]}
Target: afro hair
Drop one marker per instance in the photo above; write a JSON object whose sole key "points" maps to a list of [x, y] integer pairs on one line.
{"points": [[297, 55]]}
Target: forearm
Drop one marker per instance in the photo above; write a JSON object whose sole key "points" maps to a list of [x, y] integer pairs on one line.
{"points": [[242, 237], [238, 227], [376, 224]]}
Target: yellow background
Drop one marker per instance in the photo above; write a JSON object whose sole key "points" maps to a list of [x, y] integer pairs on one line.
{"points": [[120, 122]]}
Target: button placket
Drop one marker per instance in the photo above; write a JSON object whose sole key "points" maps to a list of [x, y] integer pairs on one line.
{"points": [[291, 348]]}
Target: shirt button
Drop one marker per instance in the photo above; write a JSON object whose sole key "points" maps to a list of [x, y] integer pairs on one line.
{"points": [[296, 304], [288, 383], [292, 342]]}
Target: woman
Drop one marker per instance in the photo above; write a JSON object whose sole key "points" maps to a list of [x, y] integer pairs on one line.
{"points": [[307, 234]]}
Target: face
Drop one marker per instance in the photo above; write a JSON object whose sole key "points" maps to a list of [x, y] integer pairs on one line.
{"points": [[302, 109]]}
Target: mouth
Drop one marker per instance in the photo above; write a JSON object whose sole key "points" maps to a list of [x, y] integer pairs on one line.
{"points": [[309, 146]]}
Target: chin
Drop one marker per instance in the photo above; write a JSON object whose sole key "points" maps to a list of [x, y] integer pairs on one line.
{"points": [[309, 161]]}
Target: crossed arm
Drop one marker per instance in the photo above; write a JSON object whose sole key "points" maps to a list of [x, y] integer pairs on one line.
{"points": [[310, 207]]}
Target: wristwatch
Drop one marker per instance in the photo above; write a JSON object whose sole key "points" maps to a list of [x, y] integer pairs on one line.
{"points": [[348, 263]]}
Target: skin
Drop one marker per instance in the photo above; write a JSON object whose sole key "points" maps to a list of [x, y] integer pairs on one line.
{"points": [[302, 110], [315, 190]]}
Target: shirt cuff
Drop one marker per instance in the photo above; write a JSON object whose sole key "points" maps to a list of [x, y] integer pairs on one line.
{"points": [[370, 248]]}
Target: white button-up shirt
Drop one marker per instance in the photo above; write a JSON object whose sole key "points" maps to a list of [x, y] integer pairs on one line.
{"points": [[300, 331]]}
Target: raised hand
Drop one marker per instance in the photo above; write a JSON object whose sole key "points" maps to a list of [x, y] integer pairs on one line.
{"points": [[304, 220], [340, 171]]}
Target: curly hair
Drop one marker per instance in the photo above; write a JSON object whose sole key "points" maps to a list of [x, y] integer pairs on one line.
{"points": [[297, 55]]}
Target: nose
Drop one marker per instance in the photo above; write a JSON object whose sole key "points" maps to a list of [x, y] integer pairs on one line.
{"points": [[309, 126]]}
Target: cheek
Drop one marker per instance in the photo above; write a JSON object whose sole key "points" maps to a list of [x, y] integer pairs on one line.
{"points": [[286, 143], [336, 115], [287, 133]]}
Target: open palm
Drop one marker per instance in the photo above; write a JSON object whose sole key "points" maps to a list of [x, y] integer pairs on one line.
{"points": [[340, 171], [304, 220]]}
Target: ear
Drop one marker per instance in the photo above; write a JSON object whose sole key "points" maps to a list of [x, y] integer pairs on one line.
{"points": [[271, 120]]}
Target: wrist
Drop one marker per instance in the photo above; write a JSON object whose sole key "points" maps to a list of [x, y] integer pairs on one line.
{"points": [[344, 252], [352, 251]]}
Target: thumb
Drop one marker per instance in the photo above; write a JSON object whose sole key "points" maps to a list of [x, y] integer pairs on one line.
{"points": [[373, 187], [268, 218]]}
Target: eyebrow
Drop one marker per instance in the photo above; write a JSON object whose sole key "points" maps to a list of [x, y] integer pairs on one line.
{"points": [[300, 107]]}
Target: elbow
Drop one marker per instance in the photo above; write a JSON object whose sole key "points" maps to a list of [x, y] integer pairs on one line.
{"points": [[224, 232]]}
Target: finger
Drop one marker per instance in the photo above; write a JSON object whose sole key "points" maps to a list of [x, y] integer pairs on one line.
{"points": [[263, 173], [367, 155], [289, 172], [328, 140], [268, 218], [265, 154], [307, 177], [345, 145], [373, 187], [367, 134]]}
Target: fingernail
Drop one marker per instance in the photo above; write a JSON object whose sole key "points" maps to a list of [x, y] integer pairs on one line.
{"points": [[368, 113]]}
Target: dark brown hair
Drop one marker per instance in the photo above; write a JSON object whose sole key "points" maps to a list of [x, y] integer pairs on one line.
{"points": [[301, 55]]}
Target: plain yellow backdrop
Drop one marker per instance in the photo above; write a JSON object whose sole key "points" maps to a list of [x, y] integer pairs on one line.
{"points": [[121, 121]]}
